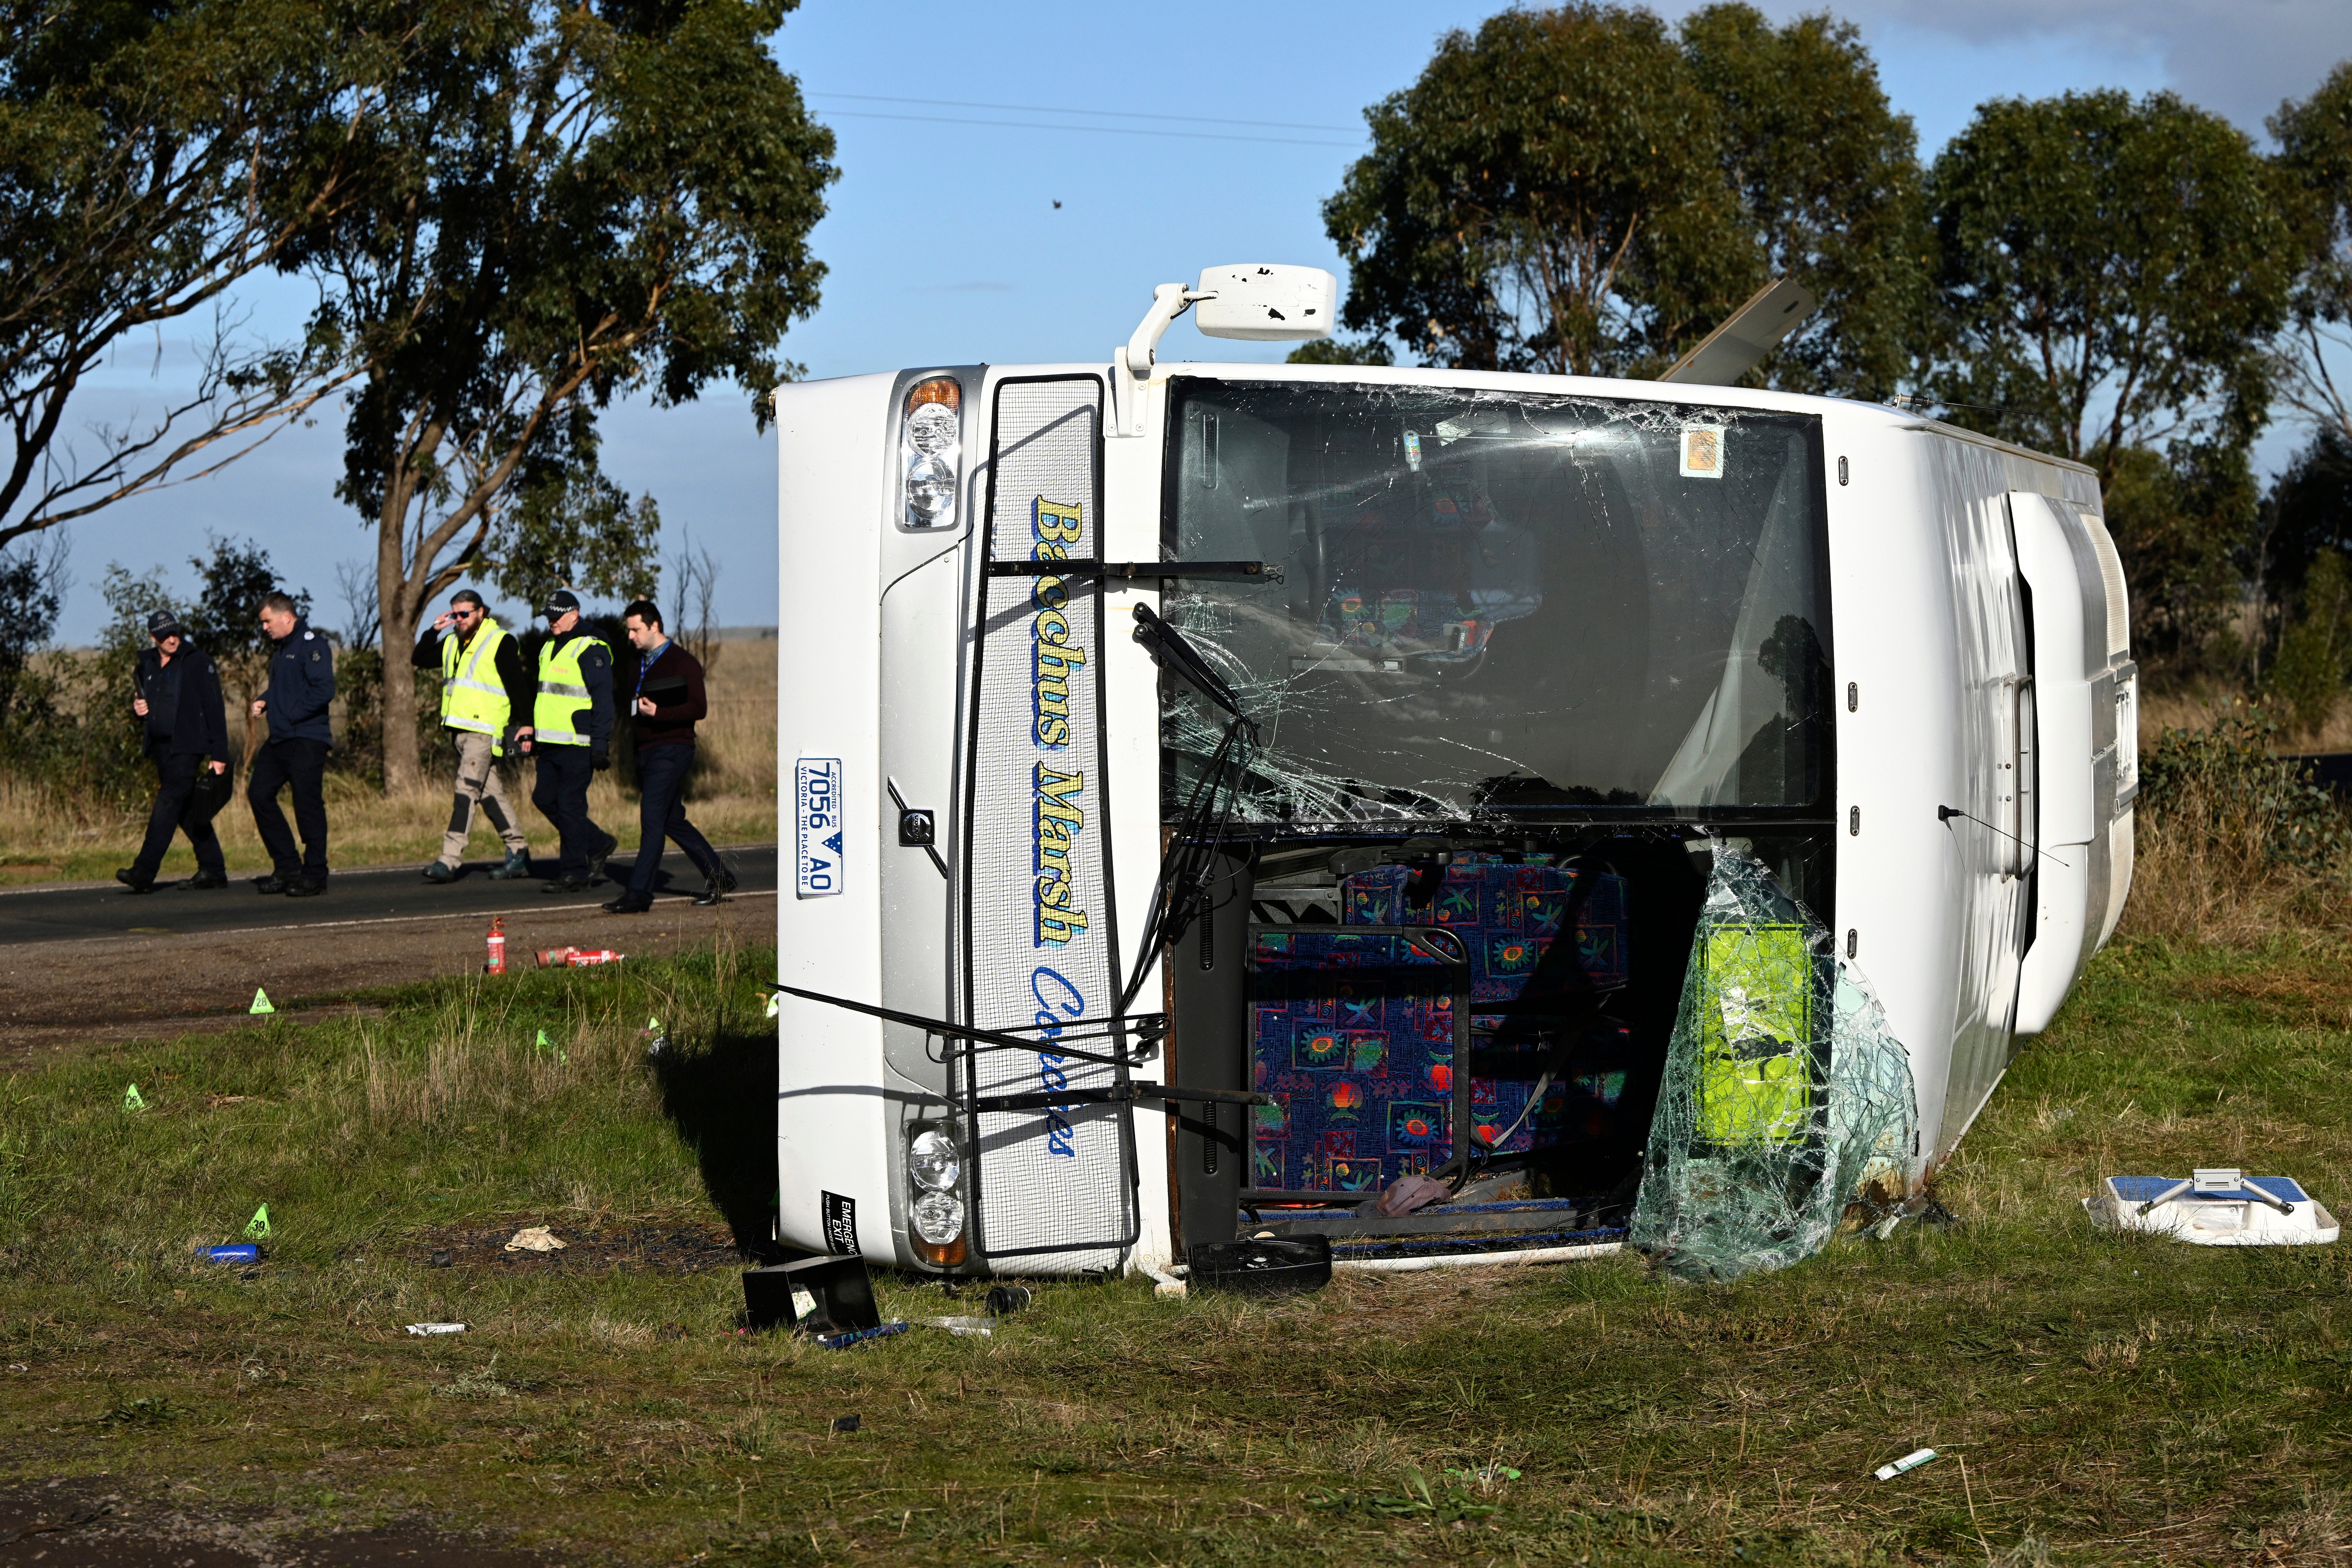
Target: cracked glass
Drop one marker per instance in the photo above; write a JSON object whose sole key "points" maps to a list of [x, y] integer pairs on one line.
{"points": [[1499, 605]]}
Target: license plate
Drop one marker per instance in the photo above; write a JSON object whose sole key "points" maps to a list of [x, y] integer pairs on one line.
{"points": [[816, 796]]}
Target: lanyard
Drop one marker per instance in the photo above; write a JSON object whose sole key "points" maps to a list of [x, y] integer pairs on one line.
{"points": [[644, 662]]}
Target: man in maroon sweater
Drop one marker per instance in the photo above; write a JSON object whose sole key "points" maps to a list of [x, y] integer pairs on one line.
{"points": [[664, 698]]}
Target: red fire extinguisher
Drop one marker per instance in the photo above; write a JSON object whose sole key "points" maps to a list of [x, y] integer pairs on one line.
{"points": [[498, 962]]}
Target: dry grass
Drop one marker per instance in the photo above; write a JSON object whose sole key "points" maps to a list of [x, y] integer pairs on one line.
{"points": [[2206, 871], [2201, 705], [43, 839], [2201, 875]]}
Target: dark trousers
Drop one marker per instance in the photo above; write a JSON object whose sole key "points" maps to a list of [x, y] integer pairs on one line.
{"points": [[303, 765], [177, 810], [561, 792], [661, 814]]}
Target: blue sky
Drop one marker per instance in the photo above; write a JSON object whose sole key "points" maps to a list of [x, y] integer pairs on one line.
{"points": [[944, 243]]}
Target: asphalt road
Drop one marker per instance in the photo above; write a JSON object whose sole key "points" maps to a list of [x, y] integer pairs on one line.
{"points": [[351, 898]]}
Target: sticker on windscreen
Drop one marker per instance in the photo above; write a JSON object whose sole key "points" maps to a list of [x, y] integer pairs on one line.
{"points": [[817, 827], [1702, 451]]}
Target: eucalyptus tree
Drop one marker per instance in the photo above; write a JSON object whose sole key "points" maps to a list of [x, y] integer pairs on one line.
{"points": [[1580, 190], [574, 204], [1546, 196], [2315, 138], [152, 156], [1829, 192], [2112, 272]]}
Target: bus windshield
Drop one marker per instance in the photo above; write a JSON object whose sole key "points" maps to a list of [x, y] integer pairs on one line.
{"points": [[1499, 604]]}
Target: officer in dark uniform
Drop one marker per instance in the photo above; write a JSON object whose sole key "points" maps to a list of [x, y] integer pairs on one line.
{"points": [[571, 733], [301, 684], [180, 700]]}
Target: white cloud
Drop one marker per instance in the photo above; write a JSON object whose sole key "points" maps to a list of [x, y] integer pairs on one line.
{"points": [[2238, 57]]}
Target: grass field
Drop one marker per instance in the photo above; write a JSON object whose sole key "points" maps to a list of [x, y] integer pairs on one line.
{"points": [[2097, 1399], [43, 839]]}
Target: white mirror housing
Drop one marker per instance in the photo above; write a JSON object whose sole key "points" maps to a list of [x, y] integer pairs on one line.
{"points": [[1266, 304]]}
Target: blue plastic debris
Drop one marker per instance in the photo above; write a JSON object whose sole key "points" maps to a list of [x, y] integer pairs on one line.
{"points": [[241, 1252], [842, 1342]]}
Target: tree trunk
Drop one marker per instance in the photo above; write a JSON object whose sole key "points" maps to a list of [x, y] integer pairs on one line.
{"points": [[396, 612]]}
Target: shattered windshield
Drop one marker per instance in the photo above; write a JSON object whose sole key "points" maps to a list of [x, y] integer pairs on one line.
{"points": [[1499, 602]]}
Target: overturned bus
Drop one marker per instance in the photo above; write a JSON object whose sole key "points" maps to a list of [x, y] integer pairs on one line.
{"points": [[1221, 790]]}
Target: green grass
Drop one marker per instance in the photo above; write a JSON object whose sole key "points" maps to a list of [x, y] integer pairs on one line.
{"points": [[2097, 1399]]}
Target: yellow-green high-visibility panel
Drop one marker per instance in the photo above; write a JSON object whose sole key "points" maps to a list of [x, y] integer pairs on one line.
{"points": [[1755, 1045]]}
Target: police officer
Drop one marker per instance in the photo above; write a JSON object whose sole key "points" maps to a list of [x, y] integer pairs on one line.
{"points": [[180, 698], [571, 733], [482, 688], [301, 685]]}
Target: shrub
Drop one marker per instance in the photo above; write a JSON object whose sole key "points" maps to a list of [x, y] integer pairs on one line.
{"points": [[2223, 793]]}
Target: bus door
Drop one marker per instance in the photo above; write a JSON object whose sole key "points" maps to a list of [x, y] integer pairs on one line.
{"points": [[1053, 1157]]}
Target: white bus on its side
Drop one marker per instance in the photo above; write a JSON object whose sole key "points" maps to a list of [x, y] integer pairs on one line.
{"points": [[1219, 788]]}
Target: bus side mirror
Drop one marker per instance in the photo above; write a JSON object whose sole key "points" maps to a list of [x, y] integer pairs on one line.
{"points": [[1266, 304]]}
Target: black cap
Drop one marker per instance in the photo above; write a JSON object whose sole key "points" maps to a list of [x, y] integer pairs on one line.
{"points": [[558, 604], [162, 624]]}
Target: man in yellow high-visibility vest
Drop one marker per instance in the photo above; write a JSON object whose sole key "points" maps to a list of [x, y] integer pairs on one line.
{"points": [[571, 733], [483, 692]]}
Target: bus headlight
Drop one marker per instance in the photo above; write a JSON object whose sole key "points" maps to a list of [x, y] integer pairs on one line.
{"points": [[930, 493], [935, 1214], [932, 1161], [939, 1219], [931, 429], [930, 450]]}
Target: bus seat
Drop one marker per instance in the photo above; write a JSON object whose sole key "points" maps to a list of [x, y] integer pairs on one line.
{"points": [[1353, 1033]]}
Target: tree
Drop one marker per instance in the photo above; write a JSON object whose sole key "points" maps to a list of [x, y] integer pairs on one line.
{"points": [[1546, 196], [2308, 677], [32, 584], [580, 203], [1830, 191], [1577, 191], [2178, 519], [152, 154], [2315, 138], [2111, 273], [2312, 502], [1333, 350]]}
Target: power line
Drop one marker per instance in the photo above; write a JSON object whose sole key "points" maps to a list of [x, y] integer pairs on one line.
{"points": [[1094, 114], [1090, 130]]}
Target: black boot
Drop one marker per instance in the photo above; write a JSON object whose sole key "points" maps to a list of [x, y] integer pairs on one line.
{"points": [[128, 877]]}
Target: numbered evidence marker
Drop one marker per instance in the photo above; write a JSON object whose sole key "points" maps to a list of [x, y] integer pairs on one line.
{"points": [[817, 827], [258, 1227], [132, 1100], [261, 1001], [775, 1004]]}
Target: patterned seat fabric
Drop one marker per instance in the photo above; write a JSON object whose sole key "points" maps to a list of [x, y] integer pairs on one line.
{"points": [[1352, 1033]]}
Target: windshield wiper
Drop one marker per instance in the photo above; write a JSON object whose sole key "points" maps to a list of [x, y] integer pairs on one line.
{"points": [[1179, 658]]}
